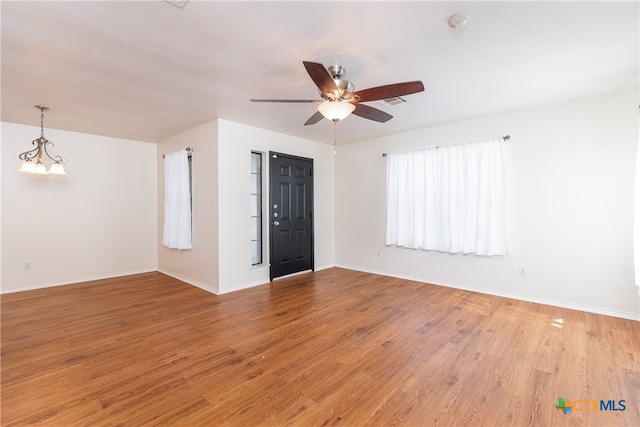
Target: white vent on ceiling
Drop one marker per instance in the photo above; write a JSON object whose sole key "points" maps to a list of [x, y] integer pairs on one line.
{"points": [[394, 101]]}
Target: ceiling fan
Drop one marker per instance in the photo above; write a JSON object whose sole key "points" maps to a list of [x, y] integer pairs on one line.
{"points": [[339, 99]]}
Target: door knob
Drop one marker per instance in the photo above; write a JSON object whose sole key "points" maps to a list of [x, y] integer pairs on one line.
{"points": [[276, 223]]}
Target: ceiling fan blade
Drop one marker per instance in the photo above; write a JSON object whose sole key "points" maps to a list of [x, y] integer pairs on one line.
{"points": [[371, 113], [388, 91], [314, 119], [287, 100], [321, 78]]}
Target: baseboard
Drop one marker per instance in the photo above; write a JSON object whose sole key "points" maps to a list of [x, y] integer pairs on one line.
{"points": [[201, 285], [537, 300], [197, 284], [266, 282], [214, 290], [324, 267], [74, 281]]}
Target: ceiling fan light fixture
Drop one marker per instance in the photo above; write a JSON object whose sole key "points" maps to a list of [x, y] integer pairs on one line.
{"points": [[336, 110]]}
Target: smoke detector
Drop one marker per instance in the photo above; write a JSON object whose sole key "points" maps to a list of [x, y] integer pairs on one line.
{"points": [[178, 3], [458, 21]]}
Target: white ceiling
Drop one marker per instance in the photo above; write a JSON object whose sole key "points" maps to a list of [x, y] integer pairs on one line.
{"points": [[147, 70]]}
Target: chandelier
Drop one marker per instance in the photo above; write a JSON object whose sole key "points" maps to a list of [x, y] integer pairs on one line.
{"points": [[28, 157]]}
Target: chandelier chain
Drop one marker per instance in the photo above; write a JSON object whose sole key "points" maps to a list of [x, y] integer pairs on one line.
{"points": [[41, 122]]}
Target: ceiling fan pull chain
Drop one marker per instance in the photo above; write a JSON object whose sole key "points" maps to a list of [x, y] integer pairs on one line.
{"points": [[335, 139]]}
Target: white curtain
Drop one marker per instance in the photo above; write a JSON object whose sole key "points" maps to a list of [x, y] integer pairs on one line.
{"points": [[177, 201], [448, 199], [636, 237]]}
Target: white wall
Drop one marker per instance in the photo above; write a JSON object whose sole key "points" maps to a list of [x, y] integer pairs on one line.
{"points": [[97, 221], [570, 193], [200, 265], [221, 258], [1, 127], [236, 142]]}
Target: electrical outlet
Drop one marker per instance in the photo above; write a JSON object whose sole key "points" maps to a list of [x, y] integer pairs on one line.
{"points": [[27, 265], [522, 272]]}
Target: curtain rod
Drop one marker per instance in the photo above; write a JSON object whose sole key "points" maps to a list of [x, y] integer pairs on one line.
{"points": [[504, 138], [188, 149]]}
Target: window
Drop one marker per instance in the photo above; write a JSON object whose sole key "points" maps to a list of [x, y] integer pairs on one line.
{"points": [[256, 208], [448, 199], [177, 228]]}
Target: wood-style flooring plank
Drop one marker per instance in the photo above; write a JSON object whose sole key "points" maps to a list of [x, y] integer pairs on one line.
{"points": [[335, 347]]}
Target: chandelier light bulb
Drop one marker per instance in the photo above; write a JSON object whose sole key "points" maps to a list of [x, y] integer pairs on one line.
{"points": [[57, 169], [27, 166], [40, 169]]}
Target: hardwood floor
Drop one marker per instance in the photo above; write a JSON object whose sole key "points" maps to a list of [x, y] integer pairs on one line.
{"points": [[335, 347]]}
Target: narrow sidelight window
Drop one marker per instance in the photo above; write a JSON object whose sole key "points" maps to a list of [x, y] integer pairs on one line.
{"points": [[256, 208]]}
